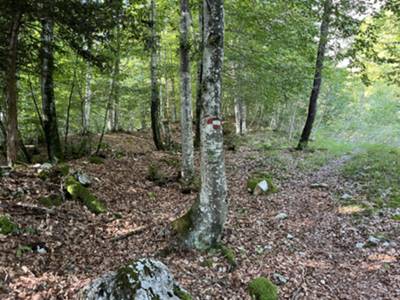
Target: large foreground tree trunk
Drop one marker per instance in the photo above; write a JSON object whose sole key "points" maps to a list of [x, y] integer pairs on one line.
{"points": [[205, 220], [155, 100], [48, 102], [312, 108], [187, 170], [11, 91]]}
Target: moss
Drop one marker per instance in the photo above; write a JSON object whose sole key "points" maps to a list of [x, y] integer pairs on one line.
{"points": [[50, 201], [183, 224], [97, 160], [257, 177], [7, 226], [181, 294], [127, 281], [79, 192], [207, 263], [262, 288], [154, 174], [229, 254]]}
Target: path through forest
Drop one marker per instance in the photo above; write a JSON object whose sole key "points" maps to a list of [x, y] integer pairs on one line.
{"points": [[302, 237]]}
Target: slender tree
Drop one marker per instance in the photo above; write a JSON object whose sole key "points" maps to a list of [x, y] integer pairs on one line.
{"points": [[48, 101], [205, 220], [186, 95], [155, 99], [87, 101], [11, 89], [312, 108]]}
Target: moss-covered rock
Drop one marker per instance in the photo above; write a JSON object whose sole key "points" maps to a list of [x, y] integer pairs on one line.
{"points": [[262, 288], [7, 226], [51, 201], [182, 225], [79, 192], [142, 279], [258, 177]]}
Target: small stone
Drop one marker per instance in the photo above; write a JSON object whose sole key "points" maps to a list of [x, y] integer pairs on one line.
{"points": [[83, 178], [281, 216], [360, 245], [279, 278], [261, 188], [373, 240], [317, 185], [290, 237], [346, 196], [46, 166]]}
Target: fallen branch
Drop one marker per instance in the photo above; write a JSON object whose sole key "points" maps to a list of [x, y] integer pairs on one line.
{"points": [[135, 231]]}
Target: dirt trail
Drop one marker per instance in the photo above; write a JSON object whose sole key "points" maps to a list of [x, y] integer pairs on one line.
{"points": [[313, 249]]}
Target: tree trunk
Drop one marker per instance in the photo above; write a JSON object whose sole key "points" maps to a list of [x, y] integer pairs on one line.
{"points": [[312, 108], [48, 102], [87, 101], [155, 100], [199, 87], [173, 101], [187, 170], [11, 91], [205, 220]]}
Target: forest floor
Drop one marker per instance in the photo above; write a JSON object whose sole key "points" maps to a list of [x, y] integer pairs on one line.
{"points": [[320, 246]]}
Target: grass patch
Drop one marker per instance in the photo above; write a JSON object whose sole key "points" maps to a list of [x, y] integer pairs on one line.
{"points": [[377, 168]]}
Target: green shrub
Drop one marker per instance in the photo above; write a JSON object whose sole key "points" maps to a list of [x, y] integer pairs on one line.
{"points": [[7, 226]]}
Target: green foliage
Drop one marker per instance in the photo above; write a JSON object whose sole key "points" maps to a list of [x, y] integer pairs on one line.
{"points": [[81, 193], [7, 226], [22, 249], [262, 288], [378, 169], [229, 254]]}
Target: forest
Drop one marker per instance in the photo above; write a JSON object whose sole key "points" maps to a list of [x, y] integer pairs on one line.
{"points": [[199, 149]]}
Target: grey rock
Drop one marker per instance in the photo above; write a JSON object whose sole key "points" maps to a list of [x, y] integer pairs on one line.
{"points": [[83, 178], [360, 245], [373, 240], [144, 279], [261, 188], [346, 196], [290, 237], [279, 278], [281, 216]]}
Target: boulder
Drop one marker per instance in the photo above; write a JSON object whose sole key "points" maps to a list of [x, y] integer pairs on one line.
{"points": [[144, 279]]}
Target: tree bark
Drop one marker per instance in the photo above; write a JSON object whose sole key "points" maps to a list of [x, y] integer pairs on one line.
{"points": [[48, 102], [155, 100], [199, 87], [207, 217], [312, 108], [240, 115], [187, 170], [11, 91]]}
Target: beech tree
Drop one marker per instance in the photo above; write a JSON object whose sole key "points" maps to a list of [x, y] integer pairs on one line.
{"points": [[203, 224], [186, 95]]}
